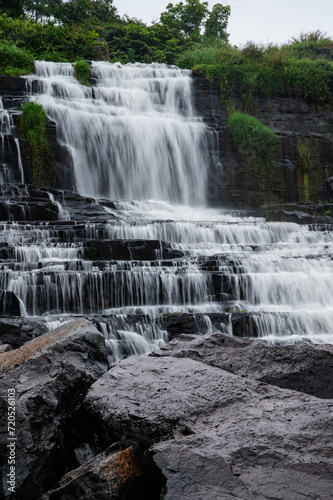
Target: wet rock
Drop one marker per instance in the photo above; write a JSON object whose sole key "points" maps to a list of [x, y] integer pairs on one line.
{"points": [[50, 375], [181, 323], [130, 250], [289, 216], [202, 422], [327, 189], [17, 332], [303, 367], [9, 304], [120, 475]]}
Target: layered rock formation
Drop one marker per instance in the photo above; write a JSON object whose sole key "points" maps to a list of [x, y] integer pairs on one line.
{"points": [[299, 125], [14, 93]]}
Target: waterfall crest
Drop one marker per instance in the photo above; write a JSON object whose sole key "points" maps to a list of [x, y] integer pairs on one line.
{"points": [[133, 135]]}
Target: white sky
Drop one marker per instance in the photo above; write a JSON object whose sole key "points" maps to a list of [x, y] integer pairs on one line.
{"points": [[258, 20]]}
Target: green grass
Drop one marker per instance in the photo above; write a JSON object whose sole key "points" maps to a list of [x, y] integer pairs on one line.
{"points": [[297, 69], [82, 72], [33, 127]]}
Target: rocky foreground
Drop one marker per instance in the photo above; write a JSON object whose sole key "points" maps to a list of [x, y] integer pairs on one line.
{"points": [[206, 417]]}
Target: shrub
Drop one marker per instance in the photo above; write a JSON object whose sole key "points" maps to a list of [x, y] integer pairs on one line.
{"points": [[15, 61], [33, 127], [82, 72], [253, 70]]}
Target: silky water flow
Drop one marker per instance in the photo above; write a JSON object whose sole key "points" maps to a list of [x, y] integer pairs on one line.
{"points": [[135, 139]]}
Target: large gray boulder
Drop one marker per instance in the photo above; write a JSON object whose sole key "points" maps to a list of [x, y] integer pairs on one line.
{"points": [[214, 434], [50, 376], [302, 367]]}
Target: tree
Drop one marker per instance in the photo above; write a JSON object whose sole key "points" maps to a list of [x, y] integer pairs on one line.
{"points": [[36, 9], [190, 17], [103, 10], [187, 18], [13, 8], [217, 21]]}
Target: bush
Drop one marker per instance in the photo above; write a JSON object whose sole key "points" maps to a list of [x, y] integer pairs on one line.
{"points": [[15, 61], [48, 41], [262, 70], [82, 72], [33, 127]]}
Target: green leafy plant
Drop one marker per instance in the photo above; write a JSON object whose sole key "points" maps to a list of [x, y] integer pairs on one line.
{"points": [[33, 127], [256, 145], [257, 70], [15, 61], [82, 72]]}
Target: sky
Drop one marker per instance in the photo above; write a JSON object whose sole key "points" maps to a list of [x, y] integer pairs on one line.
{"points": [[261, 21]]}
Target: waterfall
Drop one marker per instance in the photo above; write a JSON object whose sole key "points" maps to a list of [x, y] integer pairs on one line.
{"points": [[149, 253], [134, 135]]}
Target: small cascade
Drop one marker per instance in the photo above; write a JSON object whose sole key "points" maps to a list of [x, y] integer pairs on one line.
{"points": [[7, 135], [139, 262]]}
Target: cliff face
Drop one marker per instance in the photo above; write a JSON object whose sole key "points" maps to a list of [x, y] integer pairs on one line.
{"points": [[13, 93], [304, 157]]}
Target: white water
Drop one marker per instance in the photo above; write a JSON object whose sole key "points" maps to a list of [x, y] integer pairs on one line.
{"points": [[134, 135], [135, 138], [7, 128]]}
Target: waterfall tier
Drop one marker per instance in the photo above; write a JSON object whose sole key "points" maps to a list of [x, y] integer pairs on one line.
{"points": [[134, 135]]}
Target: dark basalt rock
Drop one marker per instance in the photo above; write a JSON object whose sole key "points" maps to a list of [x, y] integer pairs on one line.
{"points": [[18, 331], [214, 434], [182, 323], [50, 375], [130, 250], [295, 122], [200, 418], [120, 475], [303, 367], [327, 190], [9, 304]]}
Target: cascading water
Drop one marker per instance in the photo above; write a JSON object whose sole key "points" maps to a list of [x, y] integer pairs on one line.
{"points": [[134, 135], [7, 129], [135, 138]]}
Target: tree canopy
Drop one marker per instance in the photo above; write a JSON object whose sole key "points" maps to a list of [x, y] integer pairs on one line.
{"points": [[190, 18], [72, 29]]}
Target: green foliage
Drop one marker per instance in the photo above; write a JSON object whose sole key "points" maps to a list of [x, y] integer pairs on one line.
{"points": [[33, 128], [15, 61], [311, 36], [217, 21], [256, 145], [132, 41], [49, 41], [13, 8], [188, 18], [82, 72], [257, 70]]}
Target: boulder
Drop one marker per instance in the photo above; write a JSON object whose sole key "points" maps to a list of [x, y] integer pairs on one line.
{"points": [[50, 376], [18, 331], [214, 434], [302, 367], [117, 474]]}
